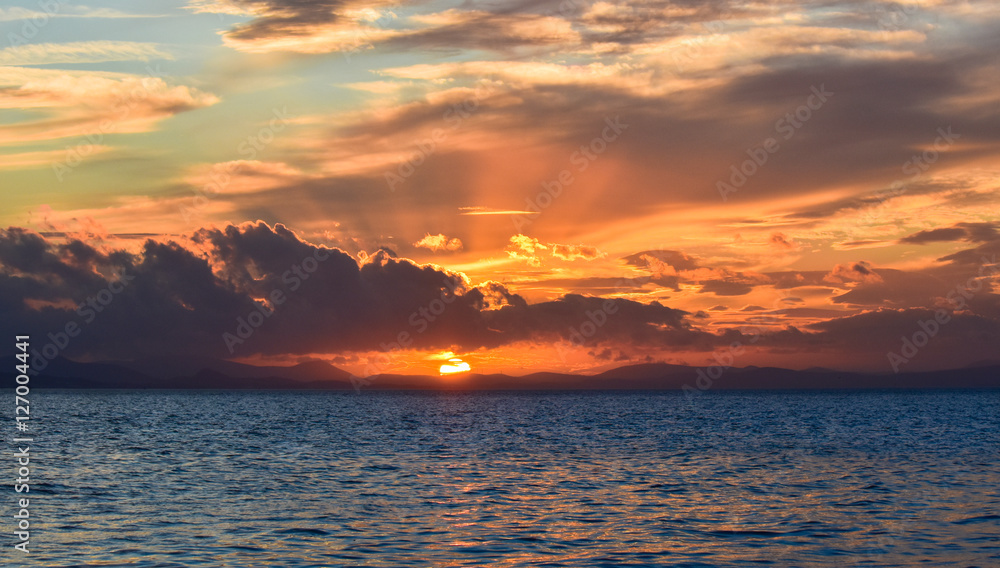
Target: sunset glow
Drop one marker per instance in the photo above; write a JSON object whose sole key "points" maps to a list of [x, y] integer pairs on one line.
{"points": [[454, 366], [567, 187]]}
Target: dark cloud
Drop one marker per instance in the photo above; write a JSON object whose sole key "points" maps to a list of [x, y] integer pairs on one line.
{"points": [[497, 31], [938, 338], [901, 289], [982, 255], [856, 244], [282, 18], [676, 259], [181, 299], [934, 235], [608, 354], [500, 29], [974, 232], [598, 285], [726, 287], [612, 319]]}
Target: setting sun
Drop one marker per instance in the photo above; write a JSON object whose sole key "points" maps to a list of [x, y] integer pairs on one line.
{"points": [[454, 365]]}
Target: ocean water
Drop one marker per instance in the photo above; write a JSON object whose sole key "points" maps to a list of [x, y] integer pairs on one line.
{"points": [[169, 478]]}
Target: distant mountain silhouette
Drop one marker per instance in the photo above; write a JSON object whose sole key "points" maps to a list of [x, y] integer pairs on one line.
{"points": [[219, 374], [192, 374], [165, 368]]}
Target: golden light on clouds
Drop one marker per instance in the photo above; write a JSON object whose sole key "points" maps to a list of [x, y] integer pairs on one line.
{"points": [[454, 365], [556, 160]]}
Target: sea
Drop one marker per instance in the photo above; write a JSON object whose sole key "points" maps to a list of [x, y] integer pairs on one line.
{"points": [[512, 479]]}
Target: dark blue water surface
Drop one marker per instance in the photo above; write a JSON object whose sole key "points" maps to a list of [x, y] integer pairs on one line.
{"points": [[157, 478]]}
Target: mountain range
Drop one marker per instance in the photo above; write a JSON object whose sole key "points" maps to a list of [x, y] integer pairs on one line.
{"points": [[174, 373]]}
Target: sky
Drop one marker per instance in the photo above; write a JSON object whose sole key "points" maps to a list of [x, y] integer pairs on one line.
{"points": [[505, 186]]}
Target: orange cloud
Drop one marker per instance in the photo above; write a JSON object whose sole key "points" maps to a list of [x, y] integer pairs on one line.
{"points": [[81, 104], [529, 249], [439, 242], [854, 272]]}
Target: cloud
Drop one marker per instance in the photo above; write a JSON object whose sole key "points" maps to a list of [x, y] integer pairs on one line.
{"points": [[523, 247], [439, 242], [198, 289], [41, 159], [626, 77], [782, 242], [854, 272], [975, 232], [699, 83], [663, 265], [529, 249], [321, 26], [64, 11], [561, 319], [230, 7], [244, 176], [481, 210], [572, 252], [498, 31], [726, 288], [73, 105], [347, 25], [871, 336], [524, 120], [81, 52]]}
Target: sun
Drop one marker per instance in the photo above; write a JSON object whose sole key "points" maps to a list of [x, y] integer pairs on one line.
{"points": [[454, 365]]}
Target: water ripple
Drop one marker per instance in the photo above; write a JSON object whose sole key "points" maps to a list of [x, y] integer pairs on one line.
{"points": [[166, 479]]}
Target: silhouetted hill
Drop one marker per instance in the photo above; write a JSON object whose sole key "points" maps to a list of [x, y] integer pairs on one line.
{"points": [[165, 368], [65, 373], [645, 371], [216, 374]]}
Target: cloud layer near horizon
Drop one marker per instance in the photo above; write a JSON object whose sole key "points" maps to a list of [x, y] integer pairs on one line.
{"points": [[183, 296]]}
